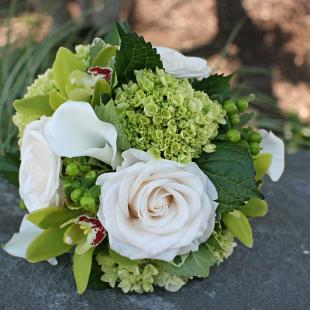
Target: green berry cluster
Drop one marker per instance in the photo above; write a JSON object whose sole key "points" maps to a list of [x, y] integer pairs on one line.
{"points": [[246, 136], [167, 117], [79, 182]]}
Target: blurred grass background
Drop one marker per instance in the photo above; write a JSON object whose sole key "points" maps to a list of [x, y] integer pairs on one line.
{"points": [[266, 42]]}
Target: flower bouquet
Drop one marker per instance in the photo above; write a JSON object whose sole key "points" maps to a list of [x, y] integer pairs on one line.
{"points": [[136, 160]]}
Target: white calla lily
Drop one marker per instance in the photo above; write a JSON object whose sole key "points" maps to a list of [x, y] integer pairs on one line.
{"points": [[18, 244], [271, 144], [75, 130], [183, 66]]}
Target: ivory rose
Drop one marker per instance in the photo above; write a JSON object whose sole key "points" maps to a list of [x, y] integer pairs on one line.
{"points": [[39, 169], [156, 208], [182, 66]]}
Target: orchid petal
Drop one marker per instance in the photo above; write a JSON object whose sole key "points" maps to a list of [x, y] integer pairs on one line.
{"points": [[75, 130], [18, 244], [271, 144]]}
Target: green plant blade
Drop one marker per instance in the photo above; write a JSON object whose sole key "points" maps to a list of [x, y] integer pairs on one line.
{"points": [[49, 243], [255, 208], [103, 57], [9, 168], [81, 268], [38, 105], [52, 217], [239, 226], [262, 163], [64, 64]]}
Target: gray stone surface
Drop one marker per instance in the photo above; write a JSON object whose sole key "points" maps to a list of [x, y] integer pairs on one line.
{"points": [[275, 274]]}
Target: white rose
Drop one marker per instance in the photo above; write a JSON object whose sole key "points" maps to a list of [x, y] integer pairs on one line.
{"points": [[39, 169], [156, 208], [182, 66], [271, 144]]}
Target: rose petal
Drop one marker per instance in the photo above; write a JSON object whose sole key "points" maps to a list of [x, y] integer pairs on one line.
{"points": [[273, 145], [75, 130], [18, 244]]}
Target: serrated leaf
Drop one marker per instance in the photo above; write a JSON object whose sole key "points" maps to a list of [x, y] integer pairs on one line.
{"points": [[113, 37], [49, 243], [104, 56], [36, 106], [65, 63], [197, 264], [108, 113], [239, 226], [52, 217], [255, 208], [214, 85], [134, 54], [9, 168], [231, 170], [262, 163], [82, 264]]}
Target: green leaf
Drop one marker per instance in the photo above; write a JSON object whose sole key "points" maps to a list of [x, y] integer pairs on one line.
{"points": [[122, 260], [239, 226], [56, 99], [103, 57], [255, 208], [197, 264], [64, 64], [101, 87], [214, 85], [113, 37], [108, 113], [94, 281], [97, 45], [134, 54], [49, 243], [81, 269], [245, 118], [38, 105], [52, 217], [231, 170], [9, 168], [262, 163]]}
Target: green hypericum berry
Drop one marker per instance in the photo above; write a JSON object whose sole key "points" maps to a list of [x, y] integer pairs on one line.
{"points": [[230, 106], [76, 194], [72, 170], [242, 104], [233, 135], [235, 119], [91, 175], [255, 137], [255, 148], [88, 203]]}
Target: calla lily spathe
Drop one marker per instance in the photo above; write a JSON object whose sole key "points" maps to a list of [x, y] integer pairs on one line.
{"points": [[271, 144], [75, 130]]}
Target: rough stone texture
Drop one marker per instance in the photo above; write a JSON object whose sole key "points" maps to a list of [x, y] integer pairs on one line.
{"points": [[275, 274]]}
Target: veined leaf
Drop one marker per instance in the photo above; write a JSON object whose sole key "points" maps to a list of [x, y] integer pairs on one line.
{"points": [[65, 62], [49, 243], [239, 226], [113, 37], [231, 170], [255, 208], [52, 217], [197, 264], [134, 54], [82, 264], [262, 163], [56, 99], [103, 57], [9, 168], [38, 105]]}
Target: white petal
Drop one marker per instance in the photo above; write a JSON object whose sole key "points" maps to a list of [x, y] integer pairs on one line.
{"points": [[75, 130], [273, 145], [18, 244]]}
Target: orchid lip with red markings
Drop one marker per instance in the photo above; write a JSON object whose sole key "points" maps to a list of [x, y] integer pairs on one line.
{"points": [[104, 72], [96, 226]]}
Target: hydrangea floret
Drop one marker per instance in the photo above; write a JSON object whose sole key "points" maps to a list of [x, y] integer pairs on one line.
{"points": [[167, 117]]}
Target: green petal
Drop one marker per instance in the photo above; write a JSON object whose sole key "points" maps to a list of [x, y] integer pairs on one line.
{"points": [[262, 163], [38, 105], [103, 57], [64, 64], [56, 99], [52, 217], [73, 234], [46, 245], [101, 87], [239, 226], [81, 269], [255, 208]]}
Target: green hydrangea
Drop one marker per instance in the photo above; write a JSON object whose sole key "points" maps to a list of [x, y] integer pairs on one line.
{"points": [[82, 52], [167, 117], [42, 85], [21, 121]]}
